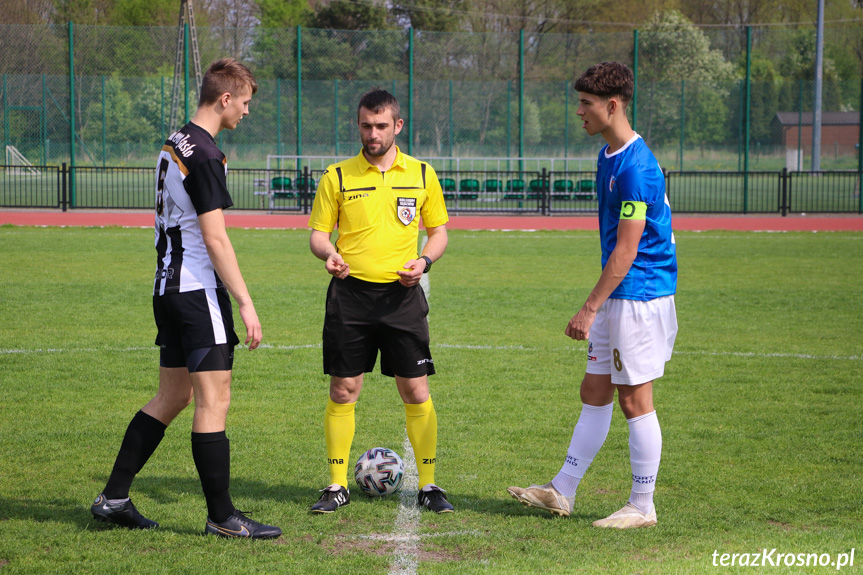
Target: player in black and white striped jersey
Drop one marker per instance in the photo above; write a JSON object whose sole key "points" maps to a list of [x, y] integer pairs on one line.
{"points": [[196, 270]]}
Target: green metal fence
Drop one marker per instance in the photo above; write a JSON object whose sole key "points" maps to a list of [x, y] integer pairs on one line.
{"points": [[468, 187], [100, 96]]}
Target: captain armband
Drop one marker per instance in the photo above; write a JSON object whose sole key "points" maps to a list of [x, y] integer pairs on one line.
{"points": [[633, 211]]}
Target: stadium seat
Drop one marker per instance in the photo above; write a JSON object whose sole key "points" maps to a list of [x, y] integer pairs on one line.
{"points": [[536, 189], [563, 186], [280, 184], [493, 186], [585, 190], [469, 186], [468, 189], [514, 190], [448, 184], [305, 187], [281, 187], [561, 189]]}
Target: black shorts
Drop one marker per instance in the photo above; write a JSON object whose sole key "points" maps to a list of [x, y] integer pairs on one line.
{"points": [[195, 320], [364, 317]]}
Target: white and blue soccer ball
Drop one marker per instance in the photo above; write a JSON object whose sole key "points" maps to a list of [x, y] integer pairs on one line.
{"points": [[379, 471]]}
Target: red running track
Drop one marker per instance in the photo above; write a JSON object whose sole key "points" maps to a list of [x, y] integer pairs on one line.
{"points": [[141, 219]]}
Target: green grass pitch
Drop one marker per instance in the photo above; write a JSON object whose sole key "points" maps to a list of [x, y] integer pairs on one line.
{"points": [[759, 407]]}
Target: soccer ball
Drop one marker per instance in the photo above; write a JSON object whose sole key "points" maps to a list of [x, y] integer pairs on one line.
{"points": [[379, 471]]}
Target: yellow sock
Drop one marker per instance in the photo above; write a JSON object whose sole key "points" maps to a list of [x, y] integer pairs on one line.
{"points": [[339, 427], [422, 432]]}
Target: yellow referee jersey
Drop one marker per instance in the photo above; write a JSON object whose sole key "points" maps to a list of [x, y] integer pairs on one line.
{"points": [[377, 213]]}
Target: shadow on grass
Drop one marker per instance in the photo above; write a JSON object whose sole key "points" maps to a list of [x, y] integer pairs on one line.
{"points": [[510, 507], [168, 490], [163, 490]]}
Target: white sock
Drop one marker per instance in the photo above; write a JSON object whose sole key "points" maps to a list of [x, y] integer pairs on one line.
{"points": [[645, 450], [587, 437]]}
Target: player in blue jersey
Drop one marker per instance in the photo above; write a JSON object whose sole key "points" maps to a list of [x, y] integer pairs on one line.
{"points": [[629, 318]]}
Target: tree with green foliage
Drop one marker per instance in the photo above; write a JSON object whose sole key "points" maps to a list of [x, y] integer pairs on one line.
{"points": [[431, 15], [284, 13], [131, 114], [351, 15], [145, 13], [799, 64], [672, 50]]}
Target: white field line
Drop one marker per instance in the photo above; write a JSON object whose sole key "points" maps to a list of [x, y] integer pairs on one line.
{"points": [[456, 346], [405, 558], [690, 234], [503, 347], [389, 538], [770, 355]]}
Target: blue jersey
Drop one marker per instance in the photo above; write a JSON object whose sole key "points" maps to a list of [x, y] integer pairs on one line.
{"points": [[633, 174]]}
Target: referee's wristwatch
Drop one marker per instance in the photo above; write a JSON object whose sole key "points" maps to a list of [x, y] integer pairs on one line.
{"points": [[428, 264]]}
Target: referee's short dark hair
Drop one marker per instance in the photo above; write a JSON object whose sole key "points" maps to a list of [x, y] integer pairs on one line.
{"points": [[225, 75], [377, 101], [607, 80]]}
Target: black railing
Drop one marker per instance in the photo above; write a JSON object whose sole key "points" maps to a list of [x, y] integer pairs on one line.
{"points": [[487, 191]]}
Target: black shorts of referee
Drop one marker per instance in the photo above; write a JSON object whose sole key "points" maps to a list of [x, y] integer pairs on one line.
{"points": [[364, 317]]}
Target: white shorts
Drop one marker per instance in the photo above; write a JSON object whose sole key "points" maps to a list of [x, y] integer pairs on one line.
{"points": [[632, 340]]}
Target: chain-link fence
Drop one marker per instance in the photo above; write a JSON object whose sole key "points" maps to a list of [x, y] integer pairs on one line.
{"points": [[729, 99]]}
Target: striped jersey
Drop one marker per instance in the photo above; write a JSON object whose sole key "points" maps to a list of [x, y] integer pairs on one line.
{"points": [[191, 179], [632, 174]]}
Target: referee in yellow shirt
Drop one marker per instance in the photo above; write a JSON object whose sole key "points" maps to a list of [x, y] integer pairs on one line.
{"points": [[373, 301]]}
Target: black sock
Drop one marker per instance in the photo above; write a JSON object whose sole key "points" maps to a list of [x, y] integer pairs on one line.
{"points": [[212, 455], [142, 438]]}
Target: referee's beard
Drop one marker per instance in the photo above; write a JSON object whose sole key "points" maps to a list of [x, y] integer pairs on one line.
{"points": [[383, 148]]}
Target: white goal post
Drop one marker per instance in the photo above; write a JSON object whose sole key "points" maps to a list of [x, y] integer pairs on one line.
{"points": [[18, 165]]}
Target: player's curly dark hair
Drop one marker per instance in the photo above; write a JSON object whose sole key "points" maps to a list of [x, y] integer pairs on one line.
{"points": [[378, 100], [225, 75], [608, 80]]}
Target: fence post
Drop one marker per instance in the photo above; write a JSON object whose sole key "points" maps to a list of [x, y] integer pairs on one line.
{"points": [[450, 121], [521, 98], [186, 70], [740, 98], [783, 206], [72, 134], [162, 111], [635, 74], [682, 117], [299, 90], [800, 128], [103, 121], [566, 124], [819, 81], [410, 91], [279, 116], [860, 151], [44, 124], [508, 123], [6, 116], [61, 175], [336, 114], [545, 178], [306, 189], [746, 119]]}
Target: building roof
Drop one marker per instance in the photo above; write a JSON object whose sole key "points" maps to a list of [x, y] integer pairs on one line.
{"points": [[827, 118]]}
